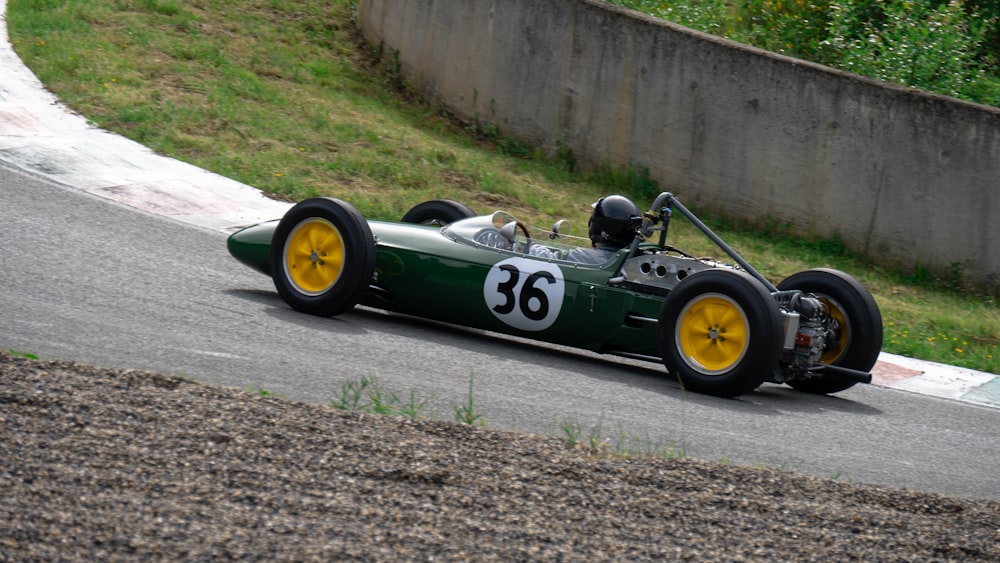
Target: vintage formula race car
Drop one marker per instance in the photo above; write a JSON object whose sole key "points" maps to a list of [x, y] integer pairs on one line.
{"points": [[719, 328]]}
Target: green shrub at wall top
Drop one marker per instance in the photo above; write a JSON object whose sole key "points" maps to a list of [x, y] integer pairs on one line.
{"points": [[792, 27], [927, 44], [949, 47]]}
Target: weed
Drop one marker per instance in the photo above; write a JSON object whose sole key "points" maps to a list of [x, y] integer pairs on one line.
{"points": [[27, 355], [592, 441], [412, 408], [256, 390], [670, 451], [595, 442], [367, 395], [468, 413], [573, 431], [352, 394]]}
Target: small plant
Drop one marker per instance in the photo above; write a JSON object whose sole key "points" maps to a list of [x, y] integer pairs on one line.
{"points": [[670, 451], [367, 395], [27, 355], [257, 390], [573, 431], [595, 442], [352, 395], [644, 447], [412, 408], [468, 413]]}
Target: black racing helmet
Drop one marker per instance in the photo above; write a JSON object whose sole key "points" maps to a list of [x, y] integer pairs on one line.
{"points": [[614, 222]]}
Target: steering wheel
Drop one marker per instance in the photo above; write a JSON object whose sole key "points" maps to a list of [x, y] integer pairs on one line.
{"points": [[509, 232], [527, 235]]}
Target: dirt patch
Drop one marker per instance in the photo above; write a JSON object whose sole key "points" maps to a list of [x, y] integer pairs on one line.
{"points": [[123, 465]]}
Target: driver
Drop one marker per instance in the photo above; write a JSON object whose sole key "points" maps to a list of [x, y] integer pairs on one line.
{"points": [[612, 227]]}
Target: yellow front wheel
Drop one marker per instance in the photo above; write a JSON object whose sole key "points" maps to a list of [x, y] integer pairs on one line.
{"points": [[322, 256], [720, 333], [314, 256]]}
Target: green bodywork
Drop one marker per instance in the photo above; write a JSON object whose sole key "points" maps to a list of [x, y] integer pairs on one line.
{"points": [[422, 272]]}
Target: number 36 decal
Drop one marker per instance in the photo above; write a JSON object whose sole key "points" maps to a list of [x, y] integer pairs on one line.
{"points": [[525, 294]]}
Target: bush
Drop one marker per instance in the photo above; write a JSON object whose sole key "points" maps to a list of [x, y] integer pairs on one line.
{"points": [[945, 46], [794, 27], [921, 43]]}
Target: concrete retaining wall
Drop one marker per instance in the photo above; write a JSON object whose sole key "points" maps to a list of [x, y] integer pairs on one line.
{"points": [[905, 177]]}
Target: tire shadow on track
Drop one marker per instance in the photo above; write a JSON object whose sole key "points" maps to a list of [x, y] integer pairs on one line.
{"points": [[652, 377]]}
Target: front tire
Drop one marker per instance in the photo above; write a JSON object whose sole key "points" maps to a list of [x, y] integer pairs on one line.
{"points": [[322, 257], [720, 333], [853, 306], [437, 213]]}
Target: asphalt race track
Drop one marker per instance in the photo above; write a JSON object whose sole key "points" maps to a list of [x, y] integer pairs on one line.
{"points": [[83, 278]]}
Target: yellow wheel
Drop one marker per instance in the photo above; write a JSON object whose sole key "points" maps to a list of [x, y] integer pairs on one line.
{"points": [[322, 256], [855, 325], [835, 351], [720, 332], [712, 333], [314, 256]]}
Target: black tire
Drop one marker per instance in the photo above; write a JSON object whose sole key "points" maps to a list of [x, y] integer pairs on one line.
{"points": [[322, 257], [720, 333], [437, 212], [861, 325]]}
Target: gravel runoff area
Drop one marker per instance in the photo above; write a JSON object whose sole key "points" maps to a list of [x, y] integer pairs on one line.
{"points": [[104, 464]]}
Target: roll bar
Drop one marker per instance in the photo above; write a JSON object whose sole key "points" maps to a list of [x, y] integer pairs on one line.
{"points": [[658, 219]]}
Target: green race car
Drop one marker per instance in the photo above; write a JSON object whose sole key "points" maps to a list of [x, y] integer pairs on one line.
{"points": [[721, 329]]}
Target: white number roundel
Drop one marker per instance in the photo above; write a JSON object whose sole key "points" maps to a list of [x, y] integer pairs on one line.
{"points": [[525, 294]]}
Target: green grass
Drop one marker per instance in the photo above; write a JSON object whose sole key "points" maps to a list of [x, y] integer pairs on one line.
{"points": [[284, 97]]}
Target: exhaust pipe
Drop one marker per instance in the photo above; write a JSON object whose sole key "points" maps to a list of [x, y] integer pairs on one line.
{"points": [[847, 373]]}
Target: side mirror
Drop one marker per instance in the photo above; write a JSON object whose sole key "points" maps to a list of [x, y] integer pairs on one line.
{"points": [[560, 229]]}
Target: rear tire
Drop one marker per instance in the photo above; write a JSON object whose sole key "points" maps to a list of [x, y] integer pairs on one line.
{"points": [[861, 325], [322, 257], [720, 333], [437, 213]]}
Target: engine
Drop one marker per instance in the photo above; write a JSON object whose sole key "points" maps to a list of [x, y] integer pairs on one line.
{"points": [[809, 330]]}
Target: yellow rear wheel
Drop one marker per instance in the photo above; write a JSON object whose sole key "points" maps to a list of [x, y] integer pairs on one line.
{"points": [[857, 332], [832, 354]]}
